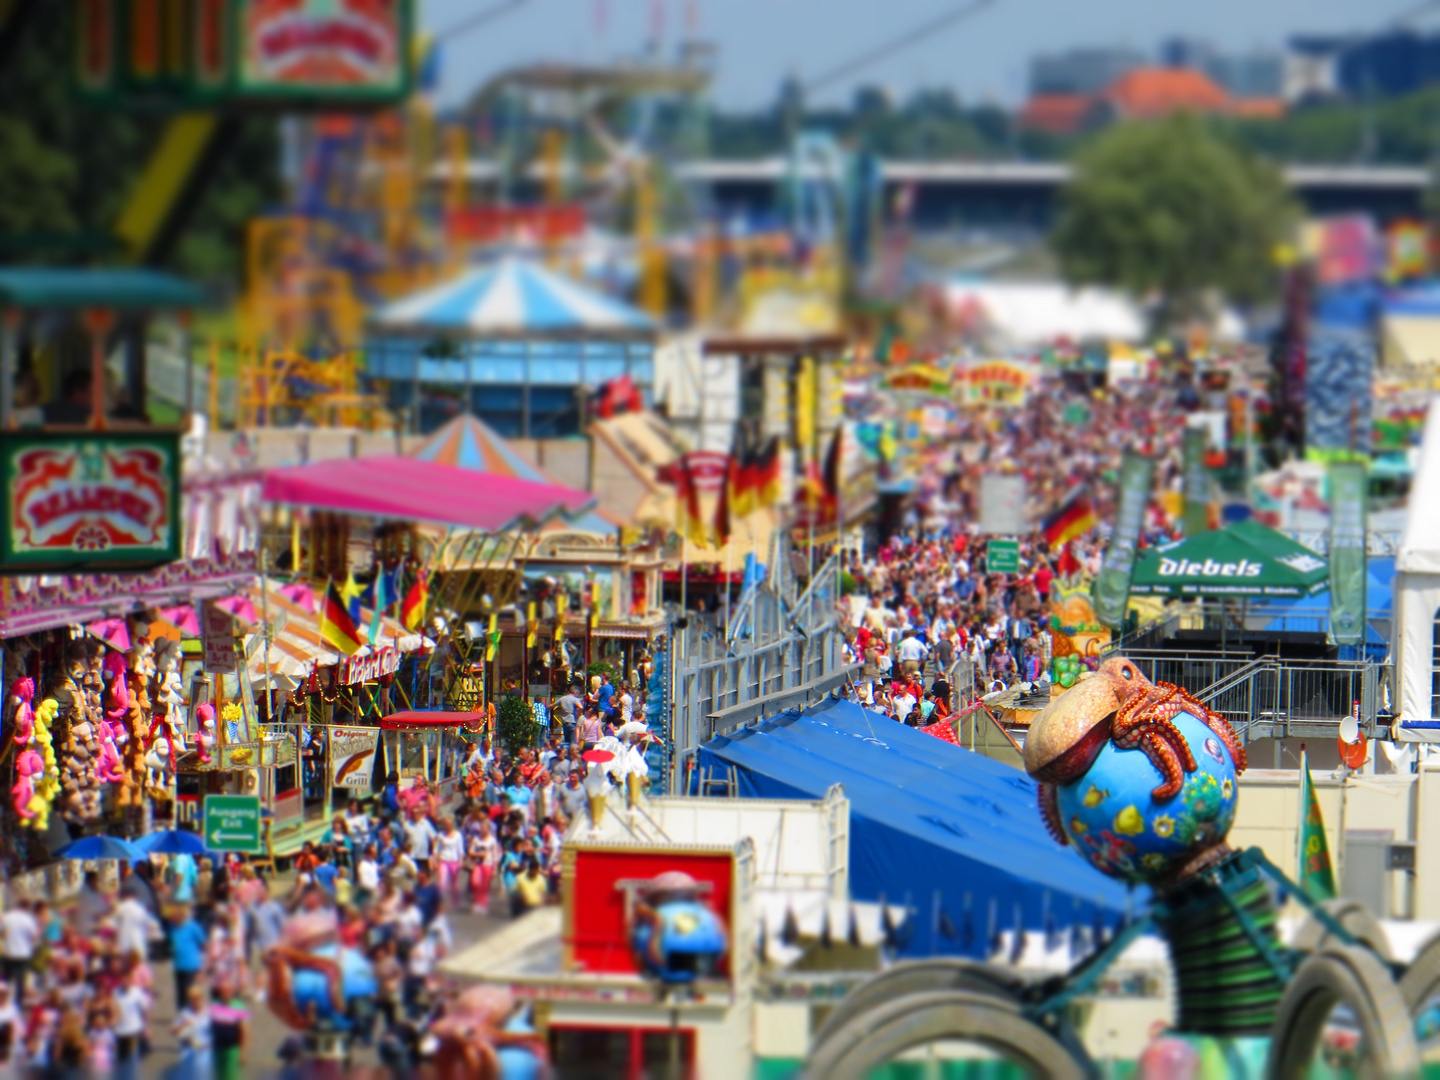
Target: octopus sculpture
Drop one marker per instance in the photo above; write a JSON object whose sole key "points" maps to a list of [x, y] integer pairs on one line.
{"points": [[1118, 704]]}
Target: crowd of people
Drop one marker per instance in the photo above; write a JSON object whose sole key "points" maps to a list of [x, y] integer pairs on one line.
{"points": [[79, 990], [926, 598]]}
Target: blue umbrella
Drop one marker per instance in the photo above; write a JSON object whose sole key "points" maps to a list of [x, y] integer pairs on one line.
{"points": [[172, 842], [101, 847]]}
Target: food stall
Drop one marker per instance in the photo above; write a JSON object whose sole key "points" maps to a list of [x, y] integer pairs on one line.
{"points": [[428, 746]]}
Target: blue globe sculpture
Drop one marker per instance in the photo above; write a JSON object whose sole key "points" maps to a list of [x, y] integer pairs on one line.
{"points": [[1113, 820], [692, 942]]}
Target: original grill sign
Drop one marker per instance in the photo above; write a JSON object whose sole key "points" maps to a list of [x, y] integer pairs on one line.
{"points": [[91, 501]]}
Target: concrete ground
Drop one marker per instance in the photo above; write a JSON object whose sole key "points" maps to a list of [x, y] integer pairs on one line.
{"points": [[266, 1032]]}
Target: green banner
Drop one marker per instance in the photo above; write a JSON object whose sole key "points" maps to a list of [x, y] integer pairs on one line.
{"points": [[1315, 875], [1347, 552], [1112, 584], [1196, 482]]}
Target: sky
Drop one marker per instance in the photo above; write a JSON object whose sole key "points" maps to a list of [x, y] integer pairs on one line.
{"points": [[983, 57]]}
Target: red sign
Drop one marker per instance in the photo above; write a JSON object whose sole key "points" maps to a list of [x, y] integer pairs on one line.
{"points": [[76, 499], [336, 46], [598, 937], [494, 224]]}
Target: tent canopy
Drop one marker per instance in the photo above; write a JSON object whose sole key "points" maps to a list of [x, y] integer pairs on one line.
{"points": [[409, 489], [513, 298], [1420, 543], [1246, 559], [469, 443], [951, 834]]}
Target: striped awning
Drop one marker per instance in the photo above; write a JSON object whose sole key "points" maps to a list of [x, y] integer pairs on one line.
{"points": [[513, 298], [297, 647]]}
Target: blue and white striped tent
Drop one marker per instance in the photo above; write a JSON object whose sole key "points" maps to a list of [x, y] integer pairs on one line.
{"points": [[513, 298], [516, 342]]}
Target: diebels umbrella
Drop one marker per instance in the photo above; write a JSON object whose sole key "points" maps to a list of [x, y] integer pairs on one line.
{"points": [[101, 847], [172, 842], [1246, 559]]}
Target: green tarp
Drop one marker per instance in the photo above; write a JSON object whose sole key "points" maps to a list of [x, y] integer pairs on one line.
{"points": [[1245, 559], [52, 288]]}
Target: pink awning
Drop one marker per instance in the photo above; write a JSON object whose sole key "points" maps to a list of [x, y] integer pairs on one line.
{"points": [[408, 489]]}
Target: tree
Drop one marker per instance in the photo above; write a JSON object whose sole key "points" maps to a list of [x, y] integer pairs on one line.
{"points": [[1172, 209], [516, 724]]}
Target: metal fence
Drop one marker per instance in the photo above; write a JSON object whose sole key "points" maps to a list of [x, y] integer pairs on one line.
{"points": [[773, 655]]}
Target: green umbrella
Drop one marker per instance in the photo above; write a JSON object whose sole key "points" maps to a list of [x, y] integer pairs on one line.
{"points": [[1245, 559]]}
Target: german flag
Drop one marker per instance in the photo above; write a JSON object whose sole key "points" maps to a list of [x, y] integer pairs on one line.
{"points": [[1075, 518], [688, 521], [336, 626], [767, 473], [741, 479], [723, 524], [412, 608]]}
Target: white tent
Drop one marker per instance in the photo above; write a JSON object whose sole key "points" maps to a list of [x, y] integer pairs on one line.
{"points": [[1417, 596]]}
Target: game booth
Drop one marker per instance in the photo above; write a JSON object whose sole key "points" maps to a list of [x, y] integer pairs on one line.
{"points": [[429, 746]]}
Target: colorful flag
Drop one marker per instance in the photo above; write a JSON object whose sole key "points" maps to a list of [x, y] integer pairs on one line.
{"points": [[1348, 482], [834, 465], [336, 625], [381, 600], [1075, 518], [723, 523], [412, 610], [767, 474], [1315, 876], [688, 521], [351, 594], [744, 495]]}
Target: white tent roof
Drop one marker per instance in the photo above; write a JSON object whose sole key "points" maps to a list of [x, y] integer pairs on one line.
{"points": [[1420, 545]]}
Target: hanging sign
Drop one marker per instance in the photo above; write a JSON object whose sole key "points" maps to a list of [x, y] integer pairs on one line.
{"points": [[1196, 482], [338, 48], [217, 631], [89, 501], [352, 757], [362, 669], [1347, 552]]}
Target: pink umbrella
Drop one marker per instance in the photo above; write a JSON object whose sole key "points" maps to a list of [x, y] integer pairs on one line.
{"points": [[299, 594], [114, 632], [183, 618], [240, 606]]}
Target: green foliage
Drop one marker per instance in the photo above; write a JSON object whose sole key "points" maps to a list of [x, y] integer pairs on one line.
{"points": [[67, 166], [516, 724], [1173, 209], [600, 667]]}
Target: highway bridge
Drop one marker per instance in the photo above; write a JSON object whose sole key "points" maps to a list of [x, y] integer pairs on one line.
{"points": [[1021, 195]]}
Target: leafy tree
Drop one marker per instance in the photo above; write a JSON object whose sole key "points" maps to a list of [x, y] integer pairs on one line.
{"points": [[516, 724], [1171, 209], [67, 165]]}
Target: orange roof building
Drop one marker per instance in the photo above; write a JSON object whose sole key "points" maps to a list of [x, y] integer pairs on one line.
{"points": [[1149, 93], [1058, 114]]}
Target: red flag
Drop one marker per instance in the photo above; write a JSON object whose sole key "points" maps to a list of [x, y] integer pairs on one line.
{"points": [[834, 461], [722, 505]]}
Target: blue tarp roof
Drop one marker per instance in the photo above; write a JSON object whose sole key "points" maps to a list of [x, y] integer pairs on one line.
{"points": [[932, 825], [1312, 613]]}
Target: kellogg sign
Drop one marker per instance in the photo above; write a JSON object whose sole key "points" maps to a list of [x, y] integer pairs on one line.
{"points": [[92, 501]]}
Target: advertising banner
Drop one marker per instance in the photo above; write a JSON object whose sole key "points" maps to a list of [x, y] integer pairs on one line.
{"points": [[1196, 482], [89, 501], [1002, 504], [355, 49], [1347, 552], [352, 757], [1112, 585], [217, 633]]}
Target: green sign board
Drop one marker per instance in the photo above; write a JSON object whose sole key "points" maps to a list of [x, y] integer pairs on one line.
{"points": [[232, 823], [89, 500], [1002, 556]]}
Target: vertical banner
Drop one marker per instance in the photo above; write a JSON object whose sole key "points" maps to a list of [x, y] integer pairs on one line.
{"points": [[1112, 585], [1196, 482], [1347, 552]]}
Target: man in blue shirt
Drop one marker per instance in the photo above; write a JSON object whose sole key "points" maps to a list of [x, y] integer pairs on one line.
{"points": [[187, 951], [602, 698]]}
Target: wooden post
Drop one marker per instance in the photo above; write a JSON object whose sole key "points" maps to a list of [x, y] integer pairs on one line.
{"points": [[97, 322]]}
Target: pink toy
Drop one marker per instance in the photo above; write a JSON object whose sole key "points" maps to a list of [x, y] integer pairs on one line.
{"points": [[114, 670], [24, 714], [205, 737], [112, 769], [28, 764]]}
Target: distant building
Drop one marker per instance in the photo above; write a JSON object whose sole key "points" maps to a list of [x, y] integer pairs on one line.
{"points": [[1361, 66], [1144, 93], [1080, 71]]}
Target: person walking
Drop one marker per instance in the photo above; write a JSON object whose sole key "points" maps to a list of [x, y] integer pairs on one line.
{"points": [[19, 938], [187, 951]]}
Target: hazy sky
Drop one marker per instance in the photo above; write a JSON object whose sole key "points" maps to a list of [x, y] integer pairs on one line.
{"points": [[760, 41]]}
